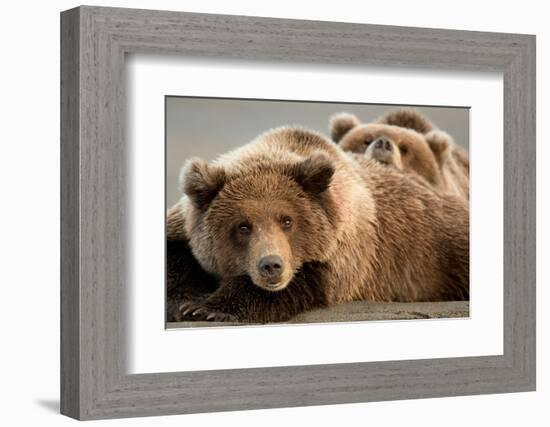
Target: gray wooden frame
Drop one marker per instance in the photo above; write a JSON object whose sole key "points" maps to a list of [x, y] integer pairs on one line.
{"points": [[94, 41]]}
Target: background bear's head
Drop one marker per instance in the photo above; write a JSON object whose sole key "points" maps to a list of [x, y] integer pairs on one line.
{"points": [[401, 147], [439, 141], [264, 219]]}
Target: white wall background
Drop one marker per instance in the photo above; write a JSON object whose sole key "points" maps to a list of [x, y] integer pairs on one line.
{"points": [[29, 214]]}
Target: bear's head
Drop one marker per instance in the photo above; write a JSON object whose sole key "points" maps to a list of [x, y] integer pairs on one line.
{"points": [[264, 219], [403, 148], [440, 142]]}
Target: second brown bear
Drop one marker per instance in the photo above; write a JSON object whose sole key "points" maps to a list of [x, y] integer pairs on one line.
{"points": [[407, 141]]}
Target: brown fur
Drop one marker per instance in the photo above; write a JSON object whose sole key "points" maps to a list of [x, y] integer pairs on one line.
{"points": [[359, 230], [342, 123], [407, 118], [418, 148], [461, 157], [185, 278], [413, 151], [453, 163], [453, 160]]}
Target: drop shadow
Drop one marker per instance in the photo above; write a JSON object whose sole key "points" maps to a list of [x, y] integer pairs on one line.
{"points": [[51, 405]]}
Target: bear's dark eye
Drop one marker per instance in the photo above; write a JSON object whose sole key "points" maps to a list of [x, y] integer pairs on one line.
{"points": [[244, 228], [286, 222], [367, 142], [404, 149]]}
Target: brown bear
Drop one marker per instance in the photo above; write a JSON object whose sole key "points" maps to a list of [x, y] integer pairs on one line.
{"points": [[290, 222], [454, 158], [409, 142], [412, 119]]}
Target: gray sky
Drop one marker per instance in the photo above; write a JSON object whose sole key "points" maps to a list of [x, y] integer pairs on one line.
{"points": [[207, 127]]}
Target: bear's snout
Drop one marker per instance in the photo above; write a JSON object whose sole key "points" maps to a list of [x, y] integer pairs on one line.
{"points": [[385, 151], [270, 267], [383, 144]]}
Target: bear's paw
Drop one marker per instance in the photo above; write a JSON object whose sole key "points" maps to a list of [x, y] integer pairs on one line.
{"points": [[196, 311]]}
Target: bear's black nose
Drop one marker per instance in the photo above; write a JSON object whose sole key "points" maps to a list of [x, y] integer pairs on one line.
{"points": [[270, 267], [383, 144]]}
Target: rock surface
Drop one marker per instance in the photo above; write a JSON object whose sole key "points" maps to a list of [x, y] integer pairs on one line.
{"points": [[363, 311]]}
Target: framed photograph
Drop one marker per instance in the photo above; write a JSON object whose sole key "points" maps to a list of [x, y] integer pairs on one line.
{"points": [[261, 213], [265, 243]]}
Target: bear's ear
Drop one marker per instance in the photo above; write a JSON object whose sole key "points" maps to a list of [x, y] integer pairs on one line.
{"points": [[201, 182], [314, 174], [440, 143], [340, 124], [410, 119]]}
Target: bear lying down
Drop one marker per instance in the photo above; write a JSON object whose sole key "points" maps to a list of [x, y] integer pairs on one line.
{"points": [[406, 140], [290, 222]]}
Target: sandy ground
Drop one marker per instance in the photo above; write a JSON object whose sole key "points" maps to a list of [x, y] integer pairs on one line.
{"points": [[363, 311]]}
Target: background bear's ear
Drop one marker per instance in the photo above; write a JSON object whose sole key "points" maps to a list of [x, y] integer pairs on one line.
{"points": [[201, 182], [440, 143], [314, 174], [410, 119], [340, 124]]}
